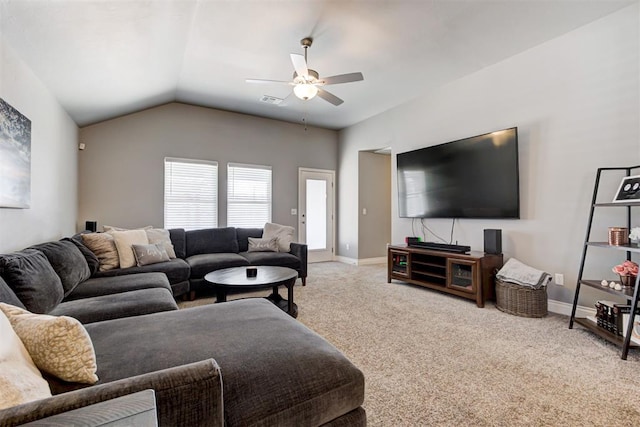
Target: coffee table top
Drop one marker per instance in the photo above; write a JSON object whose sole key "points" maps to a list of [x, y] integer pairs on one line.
{"points": [[237, 276]]}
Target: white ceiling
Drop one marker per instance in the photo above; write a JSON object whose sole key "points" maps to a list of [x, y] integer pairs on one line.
{"points": [[102, 59]]}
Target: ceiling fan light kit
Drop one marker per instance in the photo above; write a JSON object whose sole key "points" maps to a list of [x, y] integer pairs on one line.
{"points": [[306, 82]]}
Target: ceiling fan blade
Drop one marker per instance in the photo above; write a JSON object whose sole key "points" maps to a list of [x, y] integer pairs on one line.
{"points": [[343, 78], [329, 97], [266, 81], [299, 64]]}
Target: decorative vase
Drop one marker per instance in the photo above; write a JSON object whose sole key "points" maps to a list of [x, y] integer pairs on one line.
{"points": [[628, 280]]}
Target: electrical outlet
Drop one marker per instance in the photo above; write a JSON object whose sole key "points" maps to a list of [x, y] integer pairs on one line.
{"points": [[347, 245], [294, 211], [559, 279]]}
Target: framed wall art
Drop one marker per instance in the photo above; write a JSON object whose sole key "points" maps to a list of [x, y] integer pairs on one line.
{"points": [[15, 158]]}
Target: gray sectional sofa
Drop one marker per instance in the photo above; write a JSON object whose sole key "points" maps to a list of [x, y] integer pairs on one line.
{"points": [[199, 252], [243, 362]]}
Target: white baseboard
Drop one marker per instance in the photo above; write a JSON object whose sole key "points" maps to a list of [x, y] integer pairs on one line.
{"points": [[363, 261], [564, 308]]}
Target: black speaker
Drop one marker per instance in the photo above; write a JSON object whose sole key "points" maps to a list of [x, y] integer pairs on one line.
{"points": [[492, 241], [91, 226]]}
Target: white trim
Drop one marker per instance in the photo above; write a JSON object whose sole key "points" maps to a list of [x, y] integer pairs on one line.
{"points": [[346, 260], [363, 261], [564, 308]]}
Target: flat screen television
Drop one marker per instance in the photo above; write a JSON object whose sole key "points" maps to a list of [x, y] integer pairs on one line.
{"points": [[474, 177]]}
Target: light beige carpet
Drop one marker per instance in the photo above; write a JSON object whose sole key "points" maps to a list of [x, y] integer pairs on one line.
{"points": [[434, 359]]}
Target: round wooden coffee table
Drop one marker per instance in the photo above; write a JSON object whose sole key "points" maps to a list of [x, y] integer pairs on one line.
{"points": [[235, 278]]}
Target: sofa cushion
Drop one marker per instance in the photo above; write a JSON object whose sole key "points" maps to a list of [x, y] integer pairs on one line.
{"points": [[149, 254], [97, 286], [281, 259], [92, 260], [115, 306], [162, 237], [263, 245], [292, 375], [243, 237], [59, 346], [30, 275], [179, 241], [211, 240], [176, 270], [7, 295], [206, 263], [20, 379], [104, 248], [283, 233], [124, 241], [67, 261]]}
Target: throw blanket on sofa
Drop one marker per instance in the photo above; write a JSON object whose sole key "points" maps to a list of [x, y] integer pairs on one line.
{"points": [[518, 273]]}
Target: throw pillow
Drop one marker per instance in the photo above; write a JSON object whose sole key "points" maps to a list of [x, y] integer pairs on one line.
{"points": [[283, 233], [124, 241], [67, 261], [263, 245], [103, 246], [20, 380], [32, 278], [59, 346], [109, 228], [149, 254], [161, 236]]}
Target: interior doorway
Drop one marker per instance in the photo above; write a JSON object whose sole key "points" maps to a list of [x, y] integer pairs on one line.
{"points": [[316, 202]]}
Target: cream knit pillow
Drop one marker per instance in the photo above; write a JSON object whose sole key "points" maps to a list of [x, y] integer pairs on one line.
{"points": [[20, 380], [59, 346], [282, 233], [124, 241]]}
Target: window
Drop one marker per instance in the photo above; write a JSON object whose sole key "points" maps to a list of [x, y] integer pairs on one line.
{"points": [[248, 195], [190, 193]]}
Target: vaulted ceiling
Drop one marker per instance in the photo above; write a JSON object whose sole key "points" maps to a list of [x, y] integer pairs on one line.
{"points": [[102, 59]]}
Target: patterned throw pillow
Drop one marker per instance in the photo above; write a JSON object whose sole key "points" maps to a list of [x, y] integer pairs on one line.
{"points": [[263, 245], [59, 346], [149, 254], [20, 380], [104, 247], [162, 236], [283, 233]]}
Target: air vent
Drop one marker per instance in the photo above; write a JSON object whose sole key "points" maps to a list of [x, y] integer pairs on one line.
{"points": [[271, 99]]}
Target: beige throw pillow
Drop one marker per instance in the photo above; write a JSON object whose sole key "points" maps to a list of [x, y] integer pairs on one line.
{"points": [[110, 228], [104, 248], [59, 346], [124, 241], [263, 245], [20, 379], [161, 236], [282, 233]]}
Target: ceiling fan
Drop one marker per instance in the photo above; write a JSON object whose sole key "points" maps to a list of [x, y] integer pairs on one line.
{"points": [[307, 82]]}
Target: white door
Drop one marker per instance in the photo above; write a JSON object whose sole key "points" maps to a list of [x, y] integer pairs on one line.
{"points": [[316, 213]]}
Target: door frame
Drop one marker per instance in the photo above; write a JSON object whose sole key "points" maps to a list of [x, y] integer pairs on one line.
{"points": [[332, 173]]}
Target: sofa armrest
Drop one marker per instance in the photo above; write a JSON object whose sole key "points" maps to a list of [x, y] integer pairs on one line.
{"points": [[185, 395], [300, 251]]}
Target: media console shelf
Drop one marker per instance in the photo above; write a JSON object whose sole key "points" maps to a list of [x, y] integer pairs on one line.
{"points": [[466, 275]]}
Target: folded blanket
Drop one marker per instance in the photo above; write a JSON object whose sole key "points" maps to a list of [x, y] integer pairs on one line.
{"points": [[518, 273]]}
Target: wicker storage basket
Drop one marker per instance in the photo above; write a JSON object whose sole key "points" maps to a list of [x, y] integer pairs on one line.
{"points": [[521, 300]]}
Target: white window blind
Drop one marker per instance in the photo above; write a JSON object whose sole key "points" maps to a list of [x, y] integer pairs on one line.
{"points": [[190, 193], [248, 195]]}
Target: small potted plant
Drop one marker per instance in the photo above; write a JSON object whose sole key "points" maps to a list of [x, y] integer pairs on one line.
{"points": [[634, 236], [627, 271]]}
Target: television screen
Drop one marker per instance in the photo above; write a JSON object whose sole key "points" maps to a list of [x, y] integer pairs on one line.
{"points": [[475, 177]]}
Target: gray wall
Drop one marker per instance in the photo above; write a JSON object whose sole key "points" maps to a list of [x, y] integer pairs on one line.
{"points": [[374, 195], [121, 171], [54, 153], [576, 103]]}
